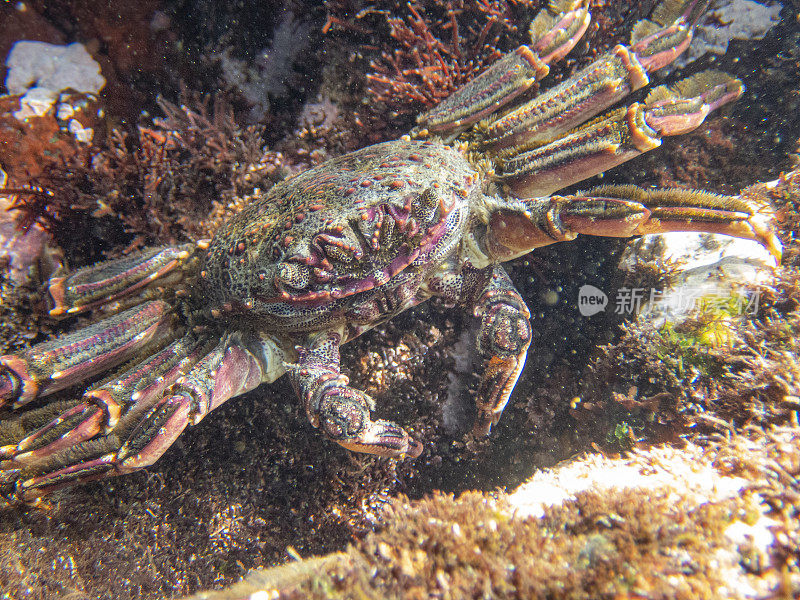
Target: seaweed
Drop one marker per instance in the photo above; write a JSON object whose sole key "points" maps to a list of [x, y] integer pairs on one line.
{"points": [[162, 183]]}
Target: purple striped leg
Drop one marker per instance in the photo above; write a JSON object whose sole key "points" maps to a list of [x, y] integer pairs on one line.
{"points": [[554, 32], [153, 419], [30, 438], [616, 137], [623, 69], [67, 360], [111, 280]]}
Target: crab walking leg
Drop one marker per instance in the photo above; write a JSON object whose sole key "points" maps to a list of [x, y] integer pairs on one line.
{"points": [[554, 32], [59, 363], [107, 281], [342, 412], [59, 425], [689, 210], [623, 211], [610, 78], [503, 340], [618, 136], [143, 434]]}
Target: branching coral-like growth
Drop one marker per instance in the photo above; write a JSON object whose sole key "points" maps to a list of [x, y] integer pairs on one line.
{"points": [[269, 75]]}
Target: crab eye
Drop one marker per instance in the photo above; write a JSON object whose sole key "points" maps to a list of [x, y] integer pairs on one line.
{"points": [[424, 206], [294, 275]]}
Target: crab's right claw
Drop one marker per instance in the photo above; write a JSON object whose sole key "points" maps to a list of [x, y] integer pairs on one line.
{"points": [[344, 417], [340, 411]]}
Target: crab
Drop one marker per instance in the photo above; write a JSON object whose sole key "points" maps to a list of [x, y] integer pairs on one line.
{"points": [[329, 253]]}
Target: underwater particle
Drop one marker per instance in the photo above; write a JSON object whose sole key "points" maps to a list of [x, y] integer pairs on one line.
{"points": [[41, 71], [550, 297]]}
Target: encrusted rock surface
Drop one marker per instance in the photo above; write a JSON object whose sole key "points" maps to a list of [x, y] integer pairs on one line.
{"points": [[711, 521]]}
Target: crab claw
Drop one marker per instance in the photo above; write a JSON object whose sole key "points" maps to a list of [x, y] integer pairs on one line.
{"points": [[340, 411], [382, 438]]}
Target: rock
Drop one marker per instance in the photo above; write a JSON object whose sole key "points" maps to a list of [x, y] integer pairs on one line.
{"points": [[699, 521], [51, 67], [712, 269], [730, 20]]}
